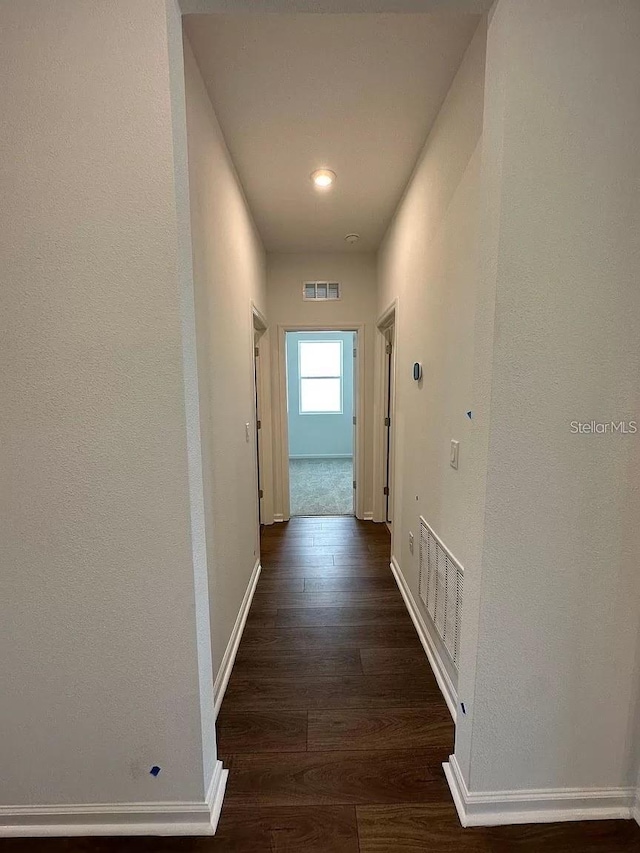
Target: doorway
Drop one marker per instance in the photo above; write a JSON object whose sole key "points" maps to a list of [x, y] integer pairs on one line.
{"points": [[384, 416], [260, 375], [258, 422], [320, 394], [388, 423]]}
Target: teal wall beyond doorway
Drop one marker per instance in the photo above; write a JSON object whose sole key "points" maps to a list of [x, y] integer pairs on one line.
{"points": [[320, 435]]}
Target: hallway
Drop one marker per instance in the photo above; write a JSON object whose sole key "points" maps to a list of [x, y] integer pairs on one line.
{"points": [[333, 726], [203, 199]]}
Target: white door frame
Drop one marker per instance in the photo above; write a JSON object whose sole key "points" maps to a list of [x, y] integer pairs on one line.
{"points": [[282, 433], [263, 440], [386, 321]]}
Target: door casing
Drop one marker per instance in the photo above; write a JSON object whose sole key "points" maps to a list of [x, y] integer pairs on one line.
{"points": [[282, 429]]}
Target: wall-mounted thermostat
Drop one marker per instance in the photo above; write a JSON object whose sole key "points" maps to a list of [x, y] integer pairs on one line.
{"points": [[417, 371]]}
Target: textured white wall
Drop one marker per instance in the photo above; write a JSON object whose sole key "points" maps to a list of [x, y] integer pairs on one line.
{"points": [[229, 272], [429, 262], [99, 661], [558, 619], [357, 273]]}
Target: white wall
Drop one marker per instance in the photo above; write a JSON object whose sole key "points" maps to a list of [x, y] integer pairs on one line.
{"points": [[229, 272], [428, 261], [101, 667], [548, 678], [357, 274]]}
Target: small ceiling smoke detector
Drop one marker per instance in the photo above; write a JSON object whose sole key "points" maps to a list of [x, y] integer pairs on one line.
{"points": [[352, 238], [323, 178]]}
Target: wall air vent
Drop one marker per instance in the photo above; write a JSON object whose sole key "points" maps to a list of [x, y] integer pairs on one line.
{"points": [[440, 588], [321, 291]]}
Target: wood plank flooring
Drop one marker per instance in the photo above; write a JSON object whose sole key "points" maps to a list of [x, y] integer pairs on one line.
{"points": [[333, 727]]}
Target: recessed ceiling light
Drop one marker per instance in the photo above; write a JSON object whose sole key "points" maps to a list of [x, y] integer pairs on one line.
{"points": [[352, 238], [323, 178]]}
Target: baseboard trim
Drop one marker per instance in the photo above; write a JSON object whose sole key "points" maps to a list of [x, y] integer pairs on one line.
{"points": [[189, 818], [368, 516], [224, 673], [215, 794], [322, 456], [278, 517], [442, 676], [635, 813], [498, 808]]}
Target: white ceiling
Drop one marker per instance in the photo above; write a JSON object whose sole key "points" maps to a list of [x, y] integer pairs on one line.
{"points": [[353, 93]]}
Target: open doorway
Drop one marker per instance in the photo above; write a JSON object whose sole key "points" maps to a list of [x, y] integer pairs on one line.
{"points": [[320, 389], [258, 422], [384, 419], [388, 423], [259, 325]]}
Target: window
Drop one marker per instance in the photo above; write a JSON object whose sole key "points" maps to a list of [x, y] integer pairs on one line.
{"points": [[320, 364]]}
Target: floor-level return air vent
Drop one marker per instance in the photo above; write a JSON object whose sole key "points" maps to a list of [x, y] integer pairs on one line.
{"points": [[321, 291], [440, 588]]}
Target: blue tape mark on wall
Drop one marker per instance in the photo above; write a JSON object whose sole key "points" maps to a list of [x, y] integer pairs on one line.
{"points": [[469, 415], [154, 770]]}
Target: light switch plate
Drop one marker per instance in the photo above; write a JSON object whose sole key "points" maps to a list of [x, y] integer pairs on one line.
{"points": [[453, 458]]}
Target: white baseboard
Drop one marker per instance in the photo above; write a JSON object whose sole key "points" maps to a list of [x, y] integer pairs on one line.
{"points": [[497, 808], [322, 456], [278, 517], [222, 678], [442, 676], [368, 516], [215, 794], [635, 813], [191, 818]]}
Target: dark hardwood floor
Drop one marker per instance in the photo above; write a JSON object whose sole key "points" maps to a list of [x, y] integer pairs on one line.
{"points": [[333, 726]]}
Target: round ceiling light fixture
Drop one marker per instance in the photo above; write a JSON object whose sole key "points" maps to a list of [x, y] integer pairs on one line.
{"points": [[323, 178], [352, 238]]}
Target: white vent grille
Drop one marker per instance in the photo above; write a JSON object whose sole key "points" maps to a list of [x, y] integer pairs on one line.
{"points": [[321, 291], [440, 589]]}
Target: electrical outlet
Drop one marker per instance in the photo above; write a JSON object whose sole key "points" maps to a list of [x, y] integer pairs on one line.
{"points": [[410, 542]]}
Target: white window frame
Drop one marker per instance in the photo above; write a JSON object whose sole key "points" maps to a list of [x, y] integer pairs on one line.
{"points": [[340, 377]]}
